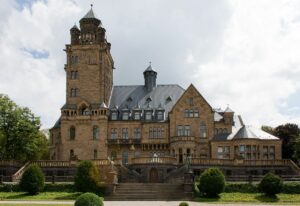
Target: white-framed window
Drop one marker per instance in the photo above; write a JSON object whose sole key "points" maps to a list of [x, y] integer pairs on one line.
{"points": [[137, 115], [187, 130], [137, 133], [125, 133], [114, 115], [125, 115], [180, 130], [113, 133], [160, 115], [148, 115]]}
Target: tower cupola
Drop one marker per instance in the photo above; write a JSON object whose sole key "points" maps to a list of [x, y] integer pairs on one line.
{"points": [[150, 78], [75, 34]]}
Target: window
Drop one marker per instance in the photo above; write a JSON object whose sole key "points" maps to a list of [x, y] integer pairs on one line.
{"points": [[74, 92], [148, 115], [137, 133], [95, 154], [72, 133], [113, 155], [180, 130], [191, 113], [95, 132], [187, 130], [125, 133], [196, 113], [190, 101], [154, 132], [72, 154], [203, 130], [113, 133], [114, 115], [242, 148], [186, 113], [160, 115], [220, 149], [74, 75], [125, 116], [272, 149], [125, 158], [137, 115]]}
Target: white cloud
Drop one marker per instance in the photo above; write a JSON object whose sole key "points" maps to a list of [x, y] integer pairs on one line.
{"points": [[256, 70], [244, 53]]}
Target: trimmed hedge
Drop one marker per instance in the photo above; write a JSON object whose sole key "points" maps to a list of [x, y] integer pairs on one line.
{"points": [[89, 199], [212, 182], [184, 204], [32, 180], [87, 178], [241, 187], [270, 184]]}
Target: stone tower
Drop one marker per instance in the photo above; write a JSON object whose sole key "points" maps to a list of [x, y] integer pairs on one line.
{"points": [[89, 81], [89, 65]]}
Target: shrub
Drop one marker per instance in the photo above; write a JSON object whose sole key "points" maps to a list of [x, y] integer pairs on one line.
{"points": [[270, 184], [184, 204], [88, 199], [59, 187], [212, 182], [32, 180], [87, 178], [241, 187], [291, 188]]}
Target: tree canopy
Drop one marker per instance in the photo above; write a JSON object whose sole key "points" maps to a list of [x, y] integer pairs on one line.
{"points": [[290, 135], [20, 138]]}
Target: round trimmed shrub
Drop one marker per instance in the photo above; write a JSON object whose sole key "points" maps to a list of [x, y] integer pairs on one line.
{"points": [[184, 204], [88, 199], [87, 178], [270, 184], [212, 182], [32, 180]]}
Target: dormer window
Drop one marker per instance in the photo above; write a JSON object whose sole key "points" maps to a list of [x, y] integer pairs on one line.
{"points": [[125, 115], [160, 115], [137, 115], [114, 115], [129, 99], [169, 99], [148, 115]]}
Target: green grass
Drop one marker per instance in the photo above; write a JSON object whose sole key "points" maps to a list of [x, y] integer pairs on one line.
{"points": [[236, 197], [31, 205], [41, 196]]}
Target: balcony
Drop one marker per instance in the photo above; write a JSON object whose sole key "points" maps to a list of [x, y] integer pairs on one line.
{"points": [[123, 141], [182, 138], [154, 160]]}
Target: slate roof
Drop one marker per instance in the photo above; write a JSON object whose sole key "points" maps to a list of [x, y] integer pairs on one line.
{"points": [[132, 97], [90, 15], [241, 131]]}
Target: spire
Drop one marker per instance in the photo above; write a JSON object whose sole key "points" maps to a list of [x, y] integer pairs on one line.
{"points": [[90, 14]]}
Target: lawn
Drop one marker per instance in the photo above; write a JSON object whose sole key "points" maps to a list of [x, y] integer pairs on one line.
{"points": [[41, 196], [236, 197], [31, 205]]}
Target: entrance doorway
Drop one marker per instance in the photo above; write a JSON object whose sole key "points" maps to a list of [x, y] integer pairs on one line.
{"points": [[153, 176]]}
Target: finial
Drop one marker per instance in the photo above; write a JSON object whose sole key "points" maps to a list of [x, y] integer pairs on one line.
{"points": [[150, 63]]}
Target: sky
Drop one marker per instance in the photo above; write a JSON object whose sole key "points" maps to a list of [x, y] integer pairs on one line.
{"points": [[245, 54]]}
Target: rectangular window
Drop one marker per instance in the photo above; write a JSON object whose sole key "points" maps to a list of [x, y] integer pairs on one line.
{"points": [[148, 116], [137, 133], [179, 130], [125, 116], [162, 132], [137, 115], [196, 113], [186, 113], [242, 148], [154, 132], [125, 133], [160, 115], [187, 130], [191, 113], [114, 133], [114, 115], [220, 149]]}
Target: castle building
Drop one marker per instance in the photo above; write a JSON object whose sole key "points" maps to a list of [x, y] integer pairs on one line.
{"points": [[144, 123]]}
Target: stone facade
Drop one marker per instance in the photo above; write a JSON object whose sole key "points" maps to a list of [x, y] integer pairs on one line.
{"points": [[150, 121]]}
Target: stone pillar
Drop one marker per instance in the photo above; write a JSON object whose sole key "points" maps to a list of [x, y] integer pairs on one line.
{"points": [[112, 182], [188, 182]]}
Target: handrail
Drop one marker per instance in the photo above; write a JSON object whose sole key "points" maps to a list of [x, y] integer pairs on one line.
{"points": [[154, 160], [19, 173]]}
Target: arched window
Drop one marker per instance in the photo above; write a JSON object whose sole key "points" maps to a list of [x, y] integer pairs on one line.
{"points": [[72, 154], [95, 132], [72, 133], [203, 130]]}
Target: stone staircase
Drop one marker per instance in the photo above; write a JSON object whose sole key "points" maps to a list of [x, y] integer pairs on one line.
{"points": [[149, 191]]}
